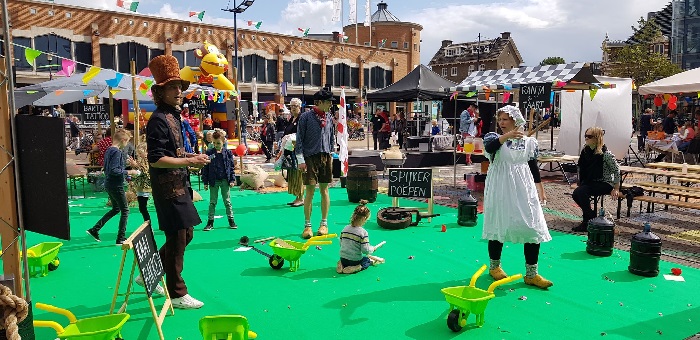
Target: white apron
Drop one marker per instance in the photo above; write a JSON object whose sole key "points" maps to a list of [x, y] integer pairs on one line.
{"points": [[512, 211]]}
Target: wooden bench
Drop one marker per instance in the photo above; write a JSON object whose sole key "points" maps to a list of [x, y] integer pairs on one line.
{"points": [[668, 186], [651, 200]]}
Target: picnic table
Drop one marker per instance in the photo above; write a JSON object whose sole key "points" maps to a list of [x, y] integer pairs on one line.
{"points": [[668, 189], [674, 166], [563, 163]]}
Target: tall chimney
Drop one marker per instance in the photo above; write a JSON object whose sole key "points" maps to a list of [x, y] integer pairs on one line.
{"points": [[446, 43], [505, 35], [336, 36]]}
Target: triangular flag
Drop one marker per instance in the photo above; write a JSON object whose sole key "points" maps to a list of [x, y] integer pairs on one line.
{"points": [[305, 32], [114, 82], [593, 93], [30, 54], [698, 94], [190, 95], [453, 95], [113, 92], [67, 68], [201, 96], [33, 92], [146, 72], [383, 42], [130, 5], [58, 92], [256, 24], [200, 15], [471, 94], [508, 87], [506, 97], [91, 73], [87, 92], [667, 97]]}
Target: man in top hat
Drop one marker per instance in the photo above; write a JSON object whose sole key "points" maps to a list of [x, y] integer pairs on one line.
{"points": [[172, 192], [316, 142]]}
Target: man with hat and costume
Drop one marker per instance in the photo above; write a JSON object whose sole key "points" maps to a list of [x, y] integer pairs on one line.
{"points": [[172, 192], [316, 142]]}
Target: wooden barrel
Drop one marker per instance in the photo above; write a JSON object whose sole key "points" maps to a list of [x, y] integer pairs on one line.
{"points": [[362, 182]]}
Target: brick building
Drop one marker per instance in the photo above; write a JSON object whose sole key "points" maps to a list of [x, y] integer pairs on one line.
{"points": [[456, 61], [111, 39]]}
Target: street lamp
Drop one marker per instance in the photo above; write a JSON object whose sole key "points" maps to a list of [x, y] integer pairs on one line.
{"points": [[237, 9], [303, 82]]}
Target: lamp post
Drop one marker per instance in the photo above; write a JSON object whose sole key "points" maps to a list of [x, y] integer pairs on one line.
{"points": [[303, 83], [237, 9]]}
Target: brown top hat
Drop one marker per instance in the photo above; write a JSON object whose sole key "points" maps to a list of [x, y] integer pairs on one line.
{"points": [[165, 69]]}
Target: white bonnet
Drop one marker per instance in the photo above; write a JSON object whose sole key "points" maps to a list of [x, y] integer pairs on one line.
{"points": [[514, 112]]}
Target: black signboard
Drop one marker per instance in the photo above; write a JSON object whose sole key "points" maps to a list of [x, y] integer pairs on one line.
{"points": [[411, 183], [198, 107], [148, 259], [535, 96], [94, 112]]}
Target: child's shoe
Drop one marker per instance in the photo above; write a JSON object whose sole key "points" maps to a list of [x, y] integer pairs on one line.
{"points": [[352, 269], [538, 281], [232, 223], [498, 273], [339, 267], [322, 230], [210, 225], [307, 233]]}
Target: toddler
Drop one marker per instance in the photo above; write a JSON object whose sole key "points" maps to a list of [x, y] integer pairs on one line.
{"points": [[354, 244]]}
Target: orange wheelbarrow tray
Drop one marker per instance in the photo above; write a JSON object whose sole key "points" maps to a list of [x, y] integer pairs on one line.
{"points": [[464, 300], [106, 327], [292, 251]]}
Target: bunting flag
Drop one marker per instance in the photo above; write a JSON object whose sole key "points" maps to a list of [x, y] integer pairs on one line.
{"points": [[67, 68], [342, 136], [383, 42], [368, 14], [58, 92], [31, 54], [471, 94], [551, 98], [593, 93], [114, 91], [337, 6], [87, 92], [200, 15], [255, 24], [345, 38], [508, 87], [506, 97], [114, 82], [202, 96], [453, 95], [91, 73], [352, 13], [130, 5], [305, 32]]}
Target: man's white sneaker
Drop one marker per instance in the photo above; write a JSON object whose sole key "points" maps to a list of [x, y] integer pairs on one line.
{"points": [[159, 290], [187, 302]]}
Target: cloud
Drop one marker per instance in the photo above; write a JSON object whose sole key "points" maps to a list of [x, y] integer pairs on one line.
{"points": [[314, 14], [573, 30]]}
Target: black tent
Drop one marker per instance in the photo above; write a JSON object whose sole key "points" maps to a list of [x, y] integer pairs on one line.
{"points": [[420, 84]]}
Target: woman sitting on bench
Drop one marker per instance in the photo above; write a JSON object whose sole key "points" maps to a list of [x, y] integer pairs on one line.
{"points": [[598, 174]]}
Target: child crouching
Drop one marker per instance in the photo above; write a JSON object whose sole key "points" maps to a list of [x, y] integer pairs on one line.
{"points": [[354, 244]]}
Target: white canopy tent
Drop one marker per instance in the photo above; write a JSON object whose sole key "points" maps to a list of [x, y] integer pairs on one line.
{"points": [[610, 109], [688, 81]]}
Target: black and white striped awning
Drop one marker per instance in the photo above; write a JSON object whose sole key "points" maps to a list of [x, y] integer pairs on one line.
{"points": [[575, 75]]}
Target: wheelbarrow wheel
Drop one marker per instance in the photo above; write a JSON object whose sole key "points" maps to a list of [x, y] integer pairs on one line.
{"points": [[53, 265], [453, 320], [276, 262]]}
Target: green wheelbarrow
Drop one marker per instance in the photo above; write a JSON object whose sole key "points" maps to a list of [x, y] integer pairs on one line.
{"points": [[292, 251], [464, 300], [106, 327], [43, 258]]}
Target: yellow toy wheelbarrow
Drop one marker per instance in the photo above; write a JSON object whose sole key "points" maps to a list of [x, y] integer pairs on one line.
{"points": [[469, 299], [292, 251], [106, 327], [42, 258]]}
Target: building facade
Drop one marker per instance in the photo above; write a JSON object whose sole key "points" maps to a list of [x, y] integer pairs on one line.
{"points": [[111, 40], [456, 61]]}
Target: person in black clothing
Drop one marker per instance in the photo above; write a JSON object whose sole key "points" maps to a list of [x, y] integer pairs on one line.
{"points": [[115, 171], [669, 123], [377, 123], [74, 133], [598, 174], [170, 182], [267, 136], [280, 125], [645, 125]]}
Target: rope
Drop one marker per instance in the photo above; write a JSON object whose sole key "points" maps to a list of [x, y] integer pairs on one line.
{"points": [[13, 309]]}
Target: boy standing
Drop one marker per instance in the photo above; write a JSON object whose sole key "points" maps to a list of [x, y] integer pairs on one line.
{"points": [[220, 176]]}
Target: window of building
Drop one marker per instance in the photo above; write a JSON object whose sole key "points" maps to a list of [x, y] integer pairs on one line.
{"points": [[131, 23], [262, 38], [83, 55], [209, 32], [115, 20], [50, 12], [69, 15], [405, 45], [415, 47], [394, 44], [54, 45], [449, 52], [32, 11], [154, 52], [316, 74], [298, 66], [482, 67], [180, 56], [128, 51], [18, 50], [444, 71], [329, 74], [242, 36], [471, 68], [184, 29], [145, 24], [107, 56], [287, 71], [659, 48], [252, 37], [191, 59], [271, 71], [366, 43], [355, 77], [453, 71], [254, 66]]}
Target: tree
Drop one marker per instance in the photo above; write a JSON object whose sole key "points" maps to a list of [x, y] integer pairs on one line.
{"points": [[552, 61], [637, 59]]}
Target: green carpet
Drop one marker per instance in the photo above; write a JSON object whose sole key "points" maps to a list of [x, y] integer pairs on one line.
{"points": [[591, 297]]}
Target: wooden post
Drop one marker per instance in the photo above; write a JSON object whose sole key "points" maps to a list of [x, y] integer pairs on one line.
{"points": [[112, 127], [9, 229], [137, 111]]}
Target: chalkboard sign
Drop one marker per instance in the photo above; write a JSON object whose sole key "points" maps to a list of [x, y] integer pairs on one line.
{"points": [[94, 112], [148, 259], [197, 106], [411, 183], [535, 96]]}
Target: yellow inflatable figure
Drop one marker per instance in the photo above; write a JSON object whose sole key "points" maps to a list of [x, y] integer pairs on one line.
{"points": [[211, 69]]}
